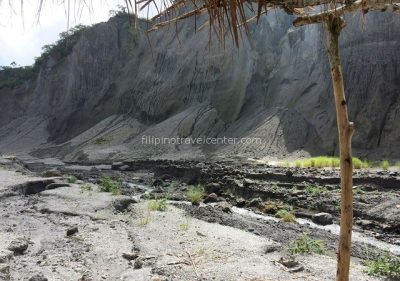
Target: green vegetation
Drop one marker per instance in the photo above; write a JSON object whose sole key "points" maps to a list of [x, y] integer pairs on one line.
{"points": [[87, 187], [109, 185], [101, 140], [285, 215], [398, 164], [144, 220], [306, 245], [71, 179], [315, 190], [357, 190], [385, 165], [195, 194], [385, 265], [158, 205], [12, 76], [326, 161]]}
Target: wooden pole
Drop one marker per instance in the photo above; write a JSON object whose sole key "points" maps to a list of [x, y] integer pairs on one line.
{"points": [[334, 26]]}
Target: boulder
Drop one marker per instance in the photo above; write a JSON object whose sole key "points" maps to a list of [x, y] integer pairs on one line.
{"points": [[121, 203], [18, 246], [38, 277], [322, 218]]}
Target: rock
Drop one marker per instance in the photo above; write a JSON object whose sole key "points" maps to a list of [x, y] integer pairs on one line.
{"points": [[248, 182], [289, 174], [138, 263], [158, 182], [365, 223], [224, 206], [4, 271], [38, 277], [122, 202], [240, 202], [5, 256], [211, 198], [256, 202], [72, 230], [270, 248], [51, 173], [213, 187], [124, 168], [18, 246], [322, 218], [55, 185], [116, 165], [130, 256]]}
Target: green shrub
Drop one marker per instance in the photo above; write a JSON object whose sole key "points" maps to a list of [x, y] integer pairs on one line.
{"points": [[109, 185], [385, 165], [385, 265], [285, 215], [315, 189], [86, 186], [71, 179], [158, 205], [195, 194], [306, 245], [298, 164], [329, 161]]}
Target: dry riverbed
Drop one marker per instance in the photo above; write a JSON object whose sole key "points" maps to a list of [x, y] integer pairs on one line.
{"points": [[55, 230]]}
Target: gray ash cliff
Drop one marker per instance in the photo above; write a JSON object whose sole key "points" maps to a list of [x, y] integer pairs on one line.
{"points": [[114, 87]]}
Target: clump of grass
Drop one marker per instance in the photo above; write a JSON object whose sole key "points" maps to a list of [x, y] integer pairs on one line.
{"points": [[184, 226], [385, 265], [298, 164], [328, 161], [270, 207], [87, 187], [385, 165], [398, 165], [71, 179], [158, 205], [109, 185], [144, 220], [100, 141], [357, 190], [306, 245], [195, 194], [315, 189], [285, 215]]}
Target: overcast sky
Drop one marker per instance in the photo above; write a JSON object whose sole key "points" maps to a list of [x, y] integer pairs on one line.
{"points": [[21, 38]]}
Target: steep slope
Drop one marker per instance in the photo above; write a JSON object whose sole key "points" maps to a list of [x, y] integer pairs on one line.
{"points": [[115, 87]]}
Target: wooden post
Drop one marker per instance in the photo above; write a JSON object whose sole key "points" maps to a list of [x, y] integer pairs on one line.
{"points": [[334, 26]]}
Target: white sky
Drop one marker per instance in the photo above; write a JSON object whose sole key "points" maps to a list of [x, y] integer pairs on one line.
{"points": [[21, 38]]}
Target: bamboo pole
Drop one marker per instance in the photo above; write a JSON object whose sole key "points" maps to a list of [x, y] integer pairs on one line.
{"points": [[334, 26]]}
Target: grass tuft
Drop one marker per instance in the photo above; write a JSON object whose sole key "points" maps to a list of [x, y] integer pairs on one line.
{"points": [[385, 165], [328, 161], [109, 185], [385, 265], [71, 179], [285, 215], [306, 245], [195, 194], [315, 190], [158, 205]]}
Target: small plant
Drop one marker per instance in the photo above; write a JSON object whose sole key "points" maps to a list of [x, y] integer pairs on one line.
{"points": [[195, 194], [109, 185], [101, 140], [285, 215], [145, 219], [71, 179], [398, 165], [357, 190], [298, 164], [184, 226], [385, 165], [385, 265], [315, 189], [158, 205], [87, 187], [306, 245]]}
